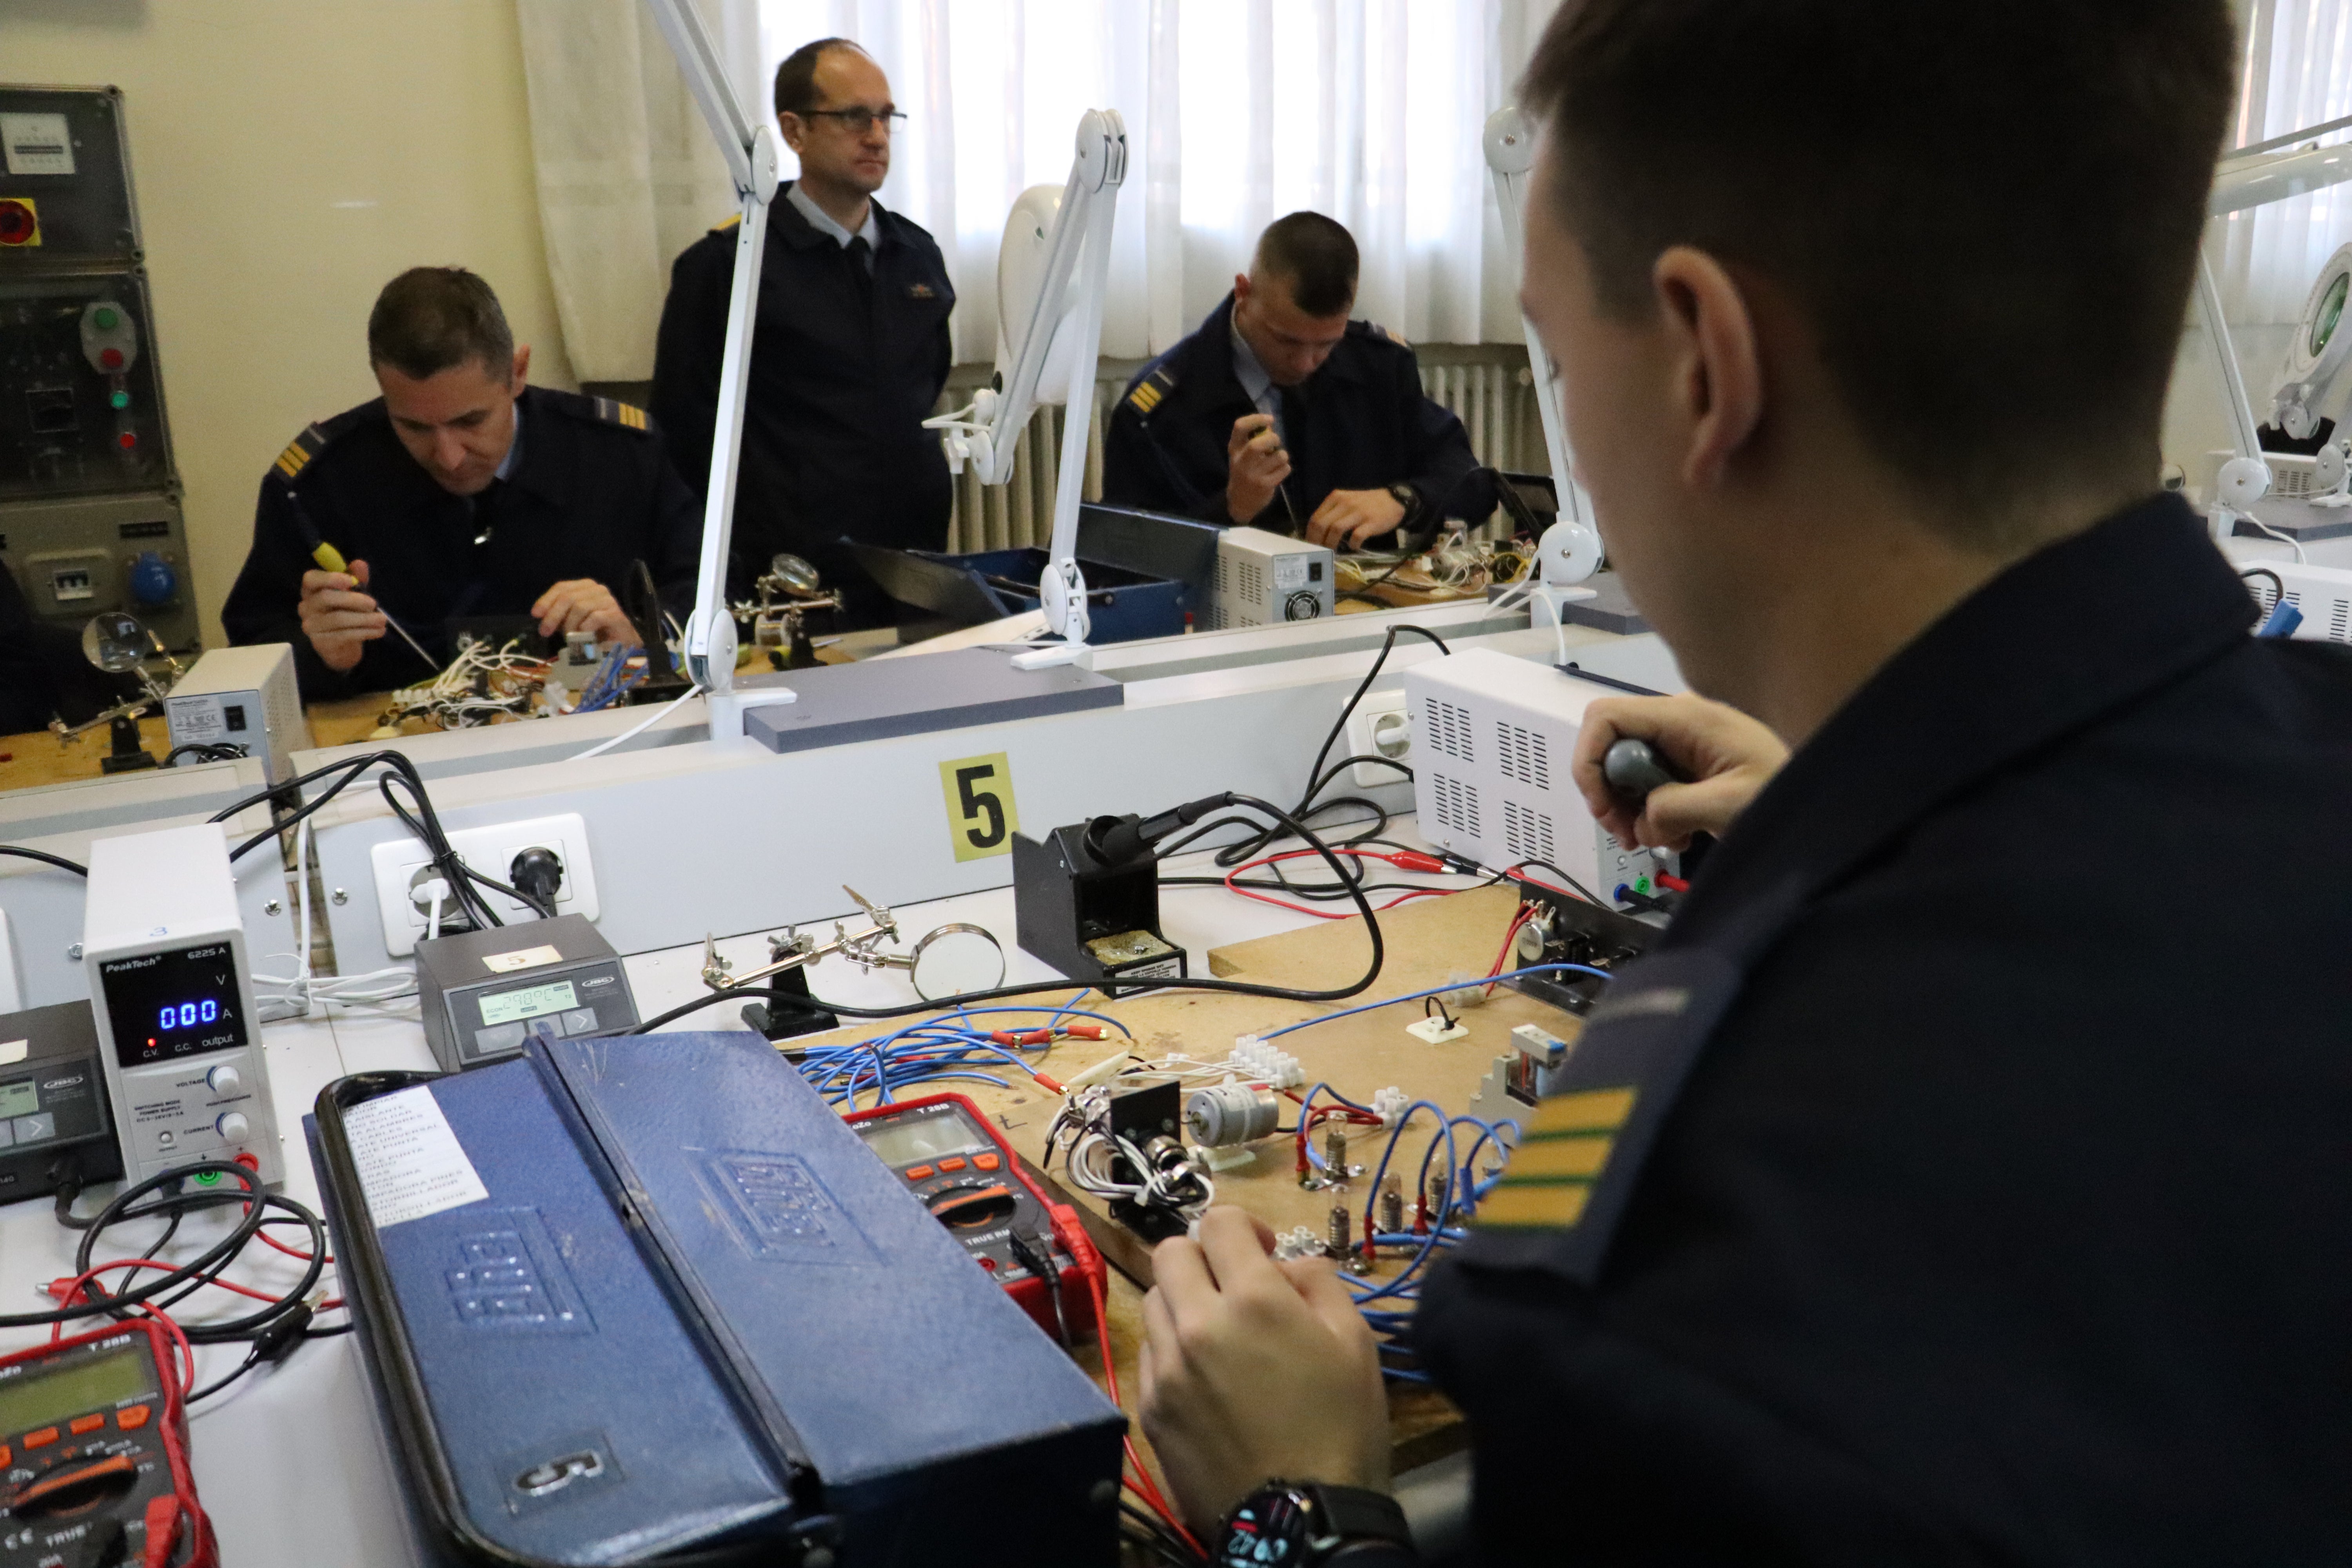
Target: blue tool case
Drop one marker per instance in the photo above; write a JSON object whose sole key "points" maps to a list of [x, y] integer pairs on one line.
{"points": [[646, 1298]]}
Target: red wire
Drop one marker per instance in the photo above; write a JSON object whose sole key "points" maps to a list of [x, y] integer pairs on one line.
{"points": [[1527, 912], [1140, 1483], [1318, 855]]}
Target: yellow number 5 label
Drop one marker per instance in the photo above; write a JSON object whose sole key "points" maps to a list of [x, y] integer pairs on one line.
{"points": [[980, 816]]}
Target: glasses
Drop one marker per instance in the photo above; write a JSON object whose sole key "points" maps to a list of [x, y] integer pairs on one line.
{"points": [[856, 120]]}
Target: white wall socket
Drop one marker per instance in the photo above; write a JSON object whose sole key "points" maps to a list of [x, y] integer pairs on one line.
{"points": [[1377, 729], [490, 851]]}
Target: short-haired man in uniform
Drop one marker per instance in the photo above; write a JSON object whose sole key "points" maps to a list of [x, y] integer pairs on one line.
{"points": [[848, 355], [1962, 1177], [461, 492], [1281, 413]]}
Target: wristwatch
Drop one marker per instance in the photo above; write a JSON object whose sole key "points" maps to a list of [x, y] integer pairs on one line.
{"points": [[1409, 498], [1304, 1524]]}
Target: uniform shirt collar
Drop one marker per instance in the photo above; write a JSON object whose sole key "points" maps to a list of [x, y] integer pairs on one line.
{"points": [[1252, 374], [2045, 651], [824, 223], [507, 464]]}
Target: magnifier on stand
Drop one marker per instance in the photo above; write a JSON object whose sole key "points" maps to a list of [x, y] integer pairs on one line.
{"points": [[117, 644], [951, 961]]}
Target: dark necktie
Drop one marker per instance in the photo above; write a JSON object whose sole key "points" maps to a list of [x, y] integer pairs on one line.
{"points": [[861, 264]]}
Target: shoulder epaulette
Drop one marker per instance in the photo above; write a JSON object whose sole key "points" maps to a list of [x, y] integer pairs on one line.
{"points": [[1149, 388], [614, 411], [1374, 329], [730, 223], [299, 451]]}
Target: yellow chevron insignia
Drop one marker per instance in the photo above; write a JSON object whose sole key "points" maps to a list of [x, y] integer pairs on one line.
{"points": [[1144, 398], [1590, 1111], [290, 461], [299, 451], [1563, 1151]]}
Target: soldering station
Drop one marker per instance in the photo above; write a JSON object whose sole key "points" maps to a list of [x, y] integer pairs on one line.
{"points": [[681, 1203]]}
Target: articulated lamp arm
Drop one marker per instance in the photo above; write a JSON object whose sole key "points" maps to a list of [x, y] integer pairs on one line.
{"points": [[750, 150]]}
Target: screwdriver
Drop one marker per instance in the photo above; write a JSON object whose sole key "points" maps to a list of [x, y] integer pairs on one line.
{"points": [[330, 559]]}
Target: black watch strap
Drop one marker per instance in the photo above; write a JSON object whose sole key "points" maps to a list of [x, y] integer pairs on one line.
{"points": [[1371, 1525]]}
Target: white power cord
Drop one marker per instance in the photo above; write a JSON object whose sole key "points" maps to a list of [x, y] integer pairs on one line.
{"points": [[640, 728]]}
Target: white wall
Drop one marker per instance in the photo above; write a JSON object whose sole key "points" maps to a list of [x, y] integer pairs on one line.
{"points": [[290, 156]]}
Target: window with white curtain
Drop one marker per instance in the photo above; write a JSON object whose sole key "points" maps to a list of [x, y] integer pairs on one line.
{"points": [[1236, 110]]}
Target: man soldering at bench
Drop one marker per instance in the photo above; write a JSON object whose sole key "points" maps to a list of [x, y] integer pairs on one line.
{"points": [[461, 492]]}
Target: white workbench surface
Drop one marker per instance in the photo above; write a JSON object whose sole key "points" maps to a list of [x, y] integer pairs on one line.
{"points": [[290, 1461]]}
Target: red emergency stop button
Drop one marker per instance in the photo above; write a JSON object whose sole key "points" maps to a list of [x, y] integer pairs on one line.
{"points": [[20, 224]]}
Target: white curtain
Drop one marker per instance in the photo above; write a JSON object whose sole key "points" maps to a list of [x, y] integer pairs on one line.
{"points": [[1237, 112], [2297, 73], [628, 177]]}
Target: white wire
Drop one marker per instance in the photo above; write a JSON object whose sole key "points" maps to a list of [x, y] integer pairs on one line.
{"points": [[2289, 540], [639, 728]]}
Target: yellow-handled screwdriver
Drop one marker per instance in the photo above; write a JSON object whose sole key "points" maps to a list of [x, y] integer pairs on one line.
{"points": [[330, 559]]}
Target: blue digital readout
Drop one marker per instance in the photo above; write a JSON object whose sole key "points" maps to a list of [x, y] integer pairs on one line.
{"points": [[188, 1015]]}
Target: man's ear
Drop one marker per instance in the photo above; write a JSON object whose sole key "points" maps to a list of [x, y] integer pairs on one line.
{"points": [[1241, 288], [1719, 375], [793, 128], [521, 367]]}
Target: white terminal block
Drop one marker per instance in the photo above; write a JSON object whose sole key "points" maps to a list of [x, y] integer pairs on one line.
{"points": [[1493, 740], [1389, 1104], [1255, 1060], [171, 994]]}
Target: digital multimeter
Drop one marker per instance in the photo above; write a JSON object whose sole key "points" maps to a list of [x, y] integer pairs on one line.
{"points": [[94, 1454], [973, 1184]]}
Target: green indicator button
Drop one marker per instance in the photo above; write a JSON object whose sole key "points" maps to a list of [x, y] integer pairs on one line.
{"points": [[106, 319], [120, 400]]}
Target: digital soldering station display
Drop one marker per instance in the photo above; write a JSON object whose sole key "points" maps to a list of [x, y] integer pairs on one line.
{"points": [[169, 1005]]}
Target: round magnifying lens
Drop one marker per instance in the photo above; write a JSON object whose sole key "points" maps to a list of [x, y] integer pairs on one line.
{"points": [[957, 959], [796, 574], [114, 642]]}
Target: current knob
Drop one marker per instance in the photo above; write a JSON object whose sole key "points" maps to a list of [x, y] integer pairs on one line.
{"points": [[224, 1080], [233, 1126]]}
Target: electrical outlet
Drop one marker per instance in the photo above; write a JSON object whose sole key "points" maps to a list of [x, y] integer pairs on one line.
{"points": [[490, 851], [1378, 727]]}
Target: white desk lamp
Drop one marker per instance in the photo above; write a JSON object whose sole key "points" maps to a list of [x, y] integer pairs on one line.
{"points": [[1051, 276]]}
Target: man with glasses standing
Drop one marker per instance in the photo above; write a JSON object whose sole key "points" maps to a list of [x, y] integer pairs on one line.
{"points": [[849, 353]]}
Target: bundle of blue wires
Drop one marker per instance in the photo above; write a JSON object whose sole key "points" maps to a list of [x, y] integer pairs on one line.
{"points": [[612, 677], [939, 1051], [1387, 1304]]}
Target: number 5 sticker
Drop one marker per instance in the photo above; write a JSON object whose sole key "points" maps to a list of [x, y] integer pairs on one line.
{"points": [[980, 816]]}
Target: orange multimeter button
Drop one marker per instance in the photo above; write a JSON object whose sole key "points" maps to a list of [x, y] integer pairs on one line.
{"points": [[986, 1161], [81, 1424], [7, 1456], [132, 1418], [920, 1173], [954, 1164], [42, 1438]]}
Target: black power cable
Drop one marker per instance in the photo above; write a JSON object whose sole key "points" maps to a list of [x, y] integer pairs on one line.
{"points": [[1233, 988], [45, 858]]}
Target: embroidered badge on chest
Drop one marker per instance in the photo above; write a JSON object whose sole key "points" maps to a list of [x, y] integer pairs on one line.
{"points": [[921, 291]]}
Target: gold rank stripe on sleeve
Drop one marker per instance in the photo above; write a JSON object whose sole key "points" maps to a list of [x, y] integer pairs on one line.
{"points": [[616, 413], [1563, 1150], [299, 453]]}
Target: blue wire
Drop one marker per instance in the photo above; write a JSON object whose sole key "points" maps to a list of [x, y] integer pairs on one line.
{"points": [[1438, 991]]}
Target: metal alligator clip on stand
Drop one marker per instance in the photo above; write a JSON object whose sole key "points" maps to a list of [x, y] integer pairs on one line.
{"points": [[954, 959]]}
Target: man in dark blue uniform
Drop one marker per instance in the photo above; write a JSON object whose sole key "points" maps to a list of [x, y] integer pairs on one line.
{"points": [[1963, 1177], [849, 353], [1282, 412], [460, 493]]}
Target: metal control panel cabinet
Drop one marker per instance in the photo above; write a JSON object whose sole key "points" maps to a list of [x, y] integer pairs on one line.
{"points": [[89, 497]]}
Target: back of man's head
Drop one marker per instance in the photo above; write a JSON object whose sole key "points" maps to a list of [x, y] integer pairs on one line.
{"points": [[431, 319], [796, 77], [1314, 258], [1988, 212]]}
